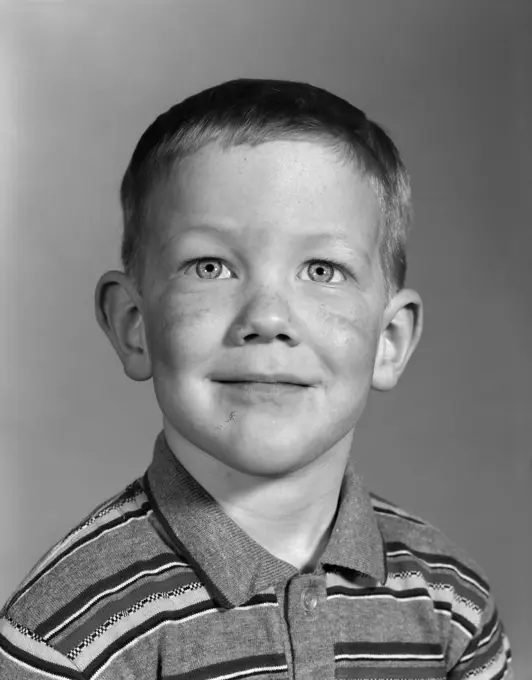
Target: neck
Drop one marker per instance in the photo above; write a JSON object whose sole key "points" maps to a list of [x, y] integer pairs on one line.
{"points": [[291, 516]]}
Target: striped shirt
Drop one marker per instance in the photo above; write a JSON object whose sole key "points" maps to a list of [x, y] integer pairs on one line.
{"points": [[159, 583]]}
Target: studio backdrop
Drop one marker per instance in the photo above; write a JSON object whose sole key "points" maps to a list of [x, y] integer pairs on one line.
{"points": [[450, 80]]}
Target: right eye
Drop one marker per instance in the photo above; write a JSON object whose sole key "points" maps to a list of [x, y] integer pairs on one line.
{"points": [[209, 268]]}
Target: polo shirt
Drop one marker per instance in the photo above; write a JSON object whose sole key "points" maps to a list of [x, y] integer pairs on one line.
{"points": [[159, 583]]}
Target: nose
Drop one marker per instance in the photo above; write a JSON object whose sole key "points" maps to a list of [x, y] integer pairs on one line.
{"points": [[265, 317]]}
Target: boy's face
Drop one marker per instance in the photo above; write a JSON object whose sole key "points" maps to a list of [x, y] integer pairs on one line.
{"points": [[262, 302]]}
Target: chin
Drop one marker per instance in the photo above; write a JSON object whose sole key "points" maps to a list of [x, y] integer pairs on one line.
{"points": [[267, 456], [263, 466]]}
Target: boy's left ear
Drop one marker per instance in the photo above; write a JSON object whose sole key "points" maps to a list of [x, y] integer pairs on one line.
{"points": [[401, 331]]}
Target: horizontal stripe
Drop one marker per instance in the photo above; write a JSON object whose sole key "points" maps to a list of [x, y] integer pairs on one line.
{"points": [[408, 569], [112, 585], [493, 668], [176, 613], [398, 672], [136, 634], [378, 593], [33, 662], [467, 627], [63, 546], [388, 657], [229, 670], [112, 526], [408, 590], [485, 636], [406, 595], [154, 622], [435, 560], [119, 500], [114, 610], [379, 510], [390, 650], [483, 655]]}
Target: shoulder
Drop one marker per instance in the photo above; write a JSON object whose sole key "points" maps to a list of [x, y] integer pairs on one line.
{"points": [[411, 540], [423, 564], [113, 566], [104, 541]]}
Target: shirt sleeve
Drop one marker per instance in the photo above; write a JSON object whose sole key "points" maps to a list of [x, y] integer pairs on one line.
{"points": [[25, 656], [488, 655]]}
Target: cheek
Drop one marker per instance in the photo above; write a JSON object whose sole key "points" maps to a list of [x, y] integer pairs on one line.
{"points": [[350, 334], [182, 333]]}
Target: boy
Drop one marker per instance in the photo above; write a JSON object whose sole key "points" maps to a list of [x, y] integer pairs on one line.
{"points": [[264, 254]]}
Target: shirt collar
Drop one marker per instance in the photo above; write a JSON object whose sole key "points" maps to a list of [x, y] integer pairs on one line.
{"points": [[233, 565]]}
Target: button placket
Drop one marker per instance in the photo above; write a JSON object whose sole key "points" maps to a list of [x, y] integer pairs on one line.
{"points": [[308, 625]]}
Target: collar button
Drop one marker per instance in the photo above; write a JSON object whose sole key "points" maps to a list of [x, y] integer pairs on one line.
{"points": [[309, 599]]}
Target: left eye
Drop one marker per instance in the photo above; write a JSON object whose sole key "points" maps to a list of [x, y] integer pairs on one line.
{"points": [[322, 271]]}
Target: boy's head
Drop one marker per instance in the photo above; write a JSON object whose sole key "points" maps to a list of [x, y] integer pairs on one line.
{"points": [[252, 112], [265, 227]]}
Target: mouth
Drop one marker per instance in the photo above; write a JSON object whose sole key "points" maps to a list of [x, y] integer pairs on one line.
{"points": [[281, 380], [275, 392], [265, 383], [261, 384]]}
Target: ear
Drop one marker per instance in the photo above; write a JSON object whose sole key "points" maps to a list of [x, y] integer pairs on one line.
{"points": [[401, 331], [119, 313]]}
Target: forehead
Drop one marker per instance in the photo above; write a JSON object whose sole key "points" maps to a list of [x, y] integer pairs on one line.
{"points": [[281, 190]]}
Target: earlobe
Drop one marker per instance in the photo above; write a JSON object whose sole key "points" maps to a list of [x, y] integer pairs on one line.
{"points": [[119, 314], [403, 325]]}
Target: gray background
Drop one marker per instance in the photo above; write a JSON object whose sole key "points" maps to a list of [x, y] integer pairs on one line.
{"points": [[451, 80]]}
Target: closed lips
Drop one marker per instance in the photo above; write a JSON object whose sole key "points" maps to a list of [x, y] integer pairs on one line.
{"points": [[278, 378]]}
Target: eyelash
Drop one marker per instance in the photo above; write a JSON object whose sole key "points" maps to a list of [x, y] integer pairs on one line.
{"points": [[323, 260], [333, 263]]}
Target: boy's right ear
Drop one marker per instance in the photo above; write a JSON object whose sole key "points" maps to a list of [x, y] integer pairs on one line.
{"points": [[119, 313]]}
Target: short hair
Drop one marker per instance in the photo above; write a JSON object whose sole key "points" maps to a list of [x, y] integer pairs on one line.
{"points": [[255, 111]]}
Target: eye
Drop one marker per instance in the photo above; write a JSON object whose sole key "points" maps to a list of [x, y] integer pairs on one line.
{"points": [[323, 271], [208, 268]]}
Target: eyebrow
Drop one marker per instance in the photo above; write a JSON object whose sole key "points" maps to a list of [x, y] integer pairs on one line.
{"points": [[315, 240], [194, 228], [215, 229]]}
